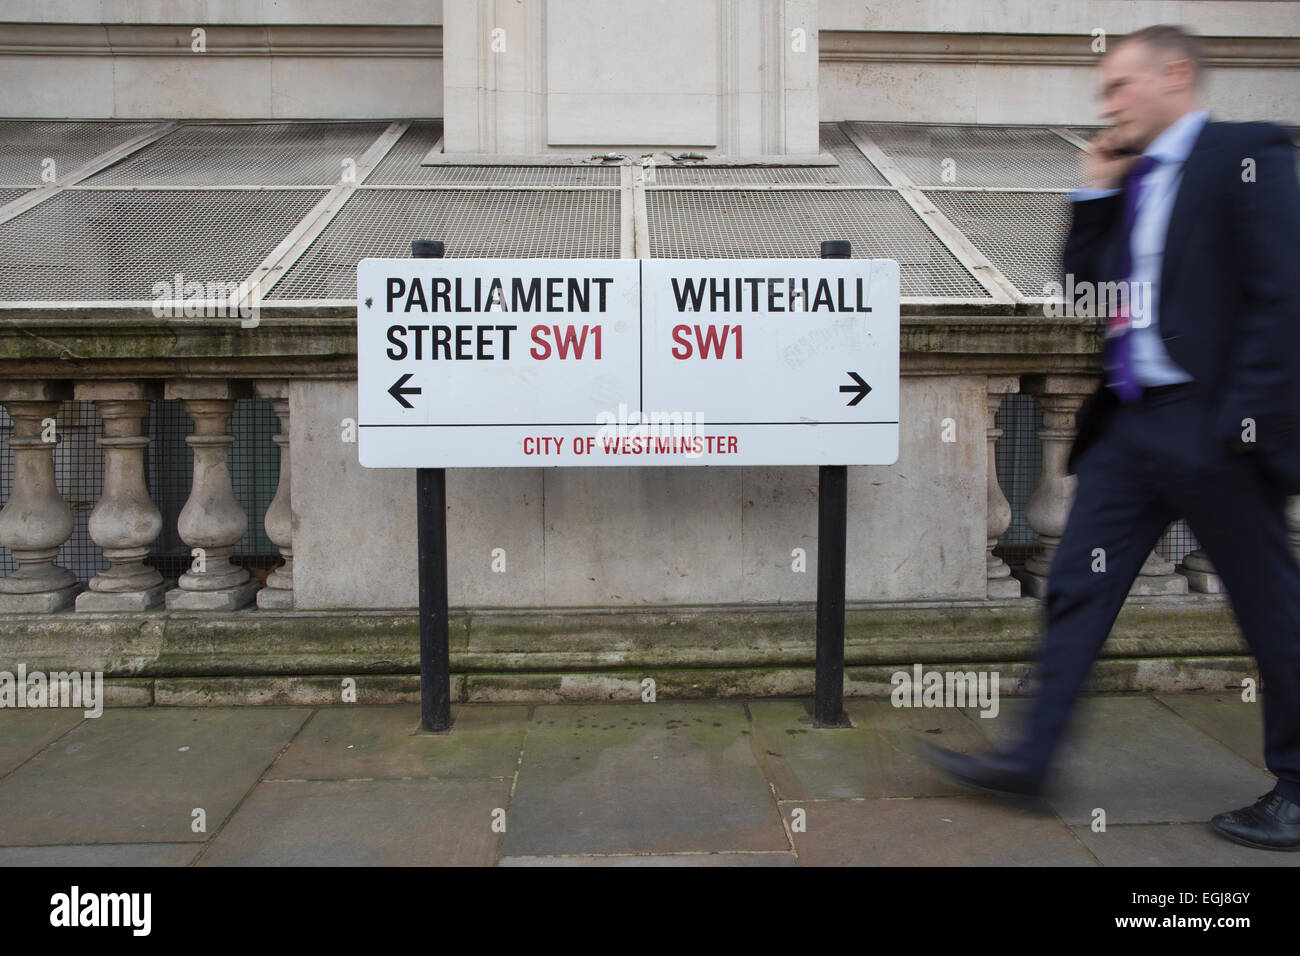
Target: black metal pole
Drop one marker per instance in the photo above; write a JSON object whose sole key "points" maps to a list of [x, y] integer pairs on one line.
{"points": [[431, 530], [832, 535]]}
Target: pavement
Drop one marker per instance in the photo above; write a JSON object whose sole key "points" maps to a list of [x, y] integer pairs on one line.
{"points": [[670, 783]]}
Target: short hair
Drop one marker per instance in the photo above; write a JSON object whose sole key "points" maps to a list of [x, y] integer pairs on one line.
{"points": [[1175, 41]]}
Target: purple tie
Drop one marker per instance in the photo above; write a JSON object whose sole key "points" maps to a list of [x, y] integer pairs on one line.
{"points": [[1118, 352]]}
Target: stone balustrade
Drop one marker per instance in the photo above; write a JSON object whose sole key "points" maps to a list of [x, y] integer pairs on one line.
{"points": [[926, 528], [36, 520]]}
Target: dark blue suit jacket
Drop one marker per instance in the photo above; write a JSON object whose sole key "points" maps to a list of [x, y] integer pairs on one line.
{"points": [[1229, 296]]}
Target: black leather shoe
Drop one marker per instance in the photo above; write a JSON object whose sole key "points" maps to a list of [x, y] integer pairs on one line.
{"points": [[1273, 823], [992, 774]]}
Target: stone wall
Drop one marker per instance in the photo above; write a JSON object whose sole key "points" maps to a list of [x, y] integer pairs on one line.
{"points": [[586, 537]]}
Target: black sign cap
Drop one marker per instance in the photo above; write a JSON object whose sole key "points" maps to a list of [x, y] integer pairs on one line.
{"points": [[427, 248]]}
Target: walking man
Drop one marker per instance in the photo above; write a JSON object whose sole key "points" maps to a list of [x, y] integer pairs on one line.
{"points": [[1198, 411]]}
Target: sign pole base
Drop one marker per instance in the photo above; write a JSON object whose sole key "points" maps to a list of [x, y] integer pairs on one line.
{"points": [[435, 655], [832, 520]]}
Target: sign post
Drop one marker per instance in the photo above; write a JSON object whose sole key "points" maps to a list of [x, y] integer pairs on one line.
{"points": [[431, 530], [832, 557], [512, 363]]}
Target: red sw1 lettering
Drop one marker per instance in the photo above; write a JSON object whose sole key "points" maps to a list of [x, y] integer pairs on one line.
{"points": [[708, 339], [567, 340]]}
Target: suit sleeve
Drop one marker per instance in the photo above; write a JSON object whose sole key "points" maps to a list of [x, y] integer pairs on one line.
{"points": [[1091, 221], [1092, 218], [1264, 225]]}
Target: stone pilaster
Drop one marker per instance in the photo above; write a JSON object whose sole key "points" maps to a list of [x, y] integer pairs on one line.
{"points": [[36, 520], [278, 592], [1000, 582], [125, 521], [212, 521]]}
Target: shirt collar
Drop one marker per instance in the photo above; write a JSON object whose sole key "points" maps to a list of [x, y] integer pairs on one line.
{"points": [[1173, 145]]}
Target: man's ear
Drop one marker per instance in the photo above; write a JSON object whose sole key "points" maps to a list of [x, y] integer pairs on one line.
{"points": [[1177, 75]]}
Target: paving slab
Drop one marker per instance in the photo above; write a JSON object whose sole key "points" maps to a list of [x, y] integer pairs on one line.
{"points": [[1175, 844], [137, 775], [876, 757], [25, 733], [104, 854], [1140, 763], [1225, 717], [652, 859], [363, 823], [641, 778], [932, 831], [356, 741]]}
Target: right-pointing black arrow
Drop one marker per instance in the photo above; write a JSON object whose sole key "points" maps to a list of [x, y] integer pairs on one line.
{"points": [[400, 393], [861, 388]]}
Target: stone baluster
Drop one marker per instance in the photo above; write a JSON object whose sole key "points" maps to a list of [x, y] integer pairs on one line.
{"points": [[212, 521], [1049, 506], [1200, 573], [278, 592], [1158, 576], [36, 520], [125, 521], [1000, 582]]}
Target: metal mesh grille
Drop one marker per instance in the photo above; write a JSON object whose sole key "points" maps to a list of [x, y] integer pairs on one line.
{"points": [[1020, 233], [793, 224], [853, 169], [7, 562], [980, 156], [116, 245], [25, 145], [401, 167], [517, 224], [1178, 542], [1019, 458], [79, 476], [260, 154], [1085, 132]]}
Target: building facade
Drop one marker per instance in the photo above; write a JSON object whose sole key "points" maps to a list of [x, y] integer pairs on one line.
{"points": [[185, 197]]}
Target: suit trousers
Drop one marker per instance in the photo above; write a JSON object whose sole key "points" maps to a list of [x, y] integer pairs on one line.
{"points": [[1156, 460]]}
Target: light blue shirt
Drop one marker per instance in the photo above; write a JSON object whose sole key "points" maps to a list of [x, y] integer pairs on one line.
{"points": [[1151, 361]]}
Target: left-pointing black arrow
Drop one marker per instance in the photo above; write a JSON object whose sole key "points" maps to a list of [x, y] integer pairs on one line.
{"points": [[400, 393], [861, 388]]}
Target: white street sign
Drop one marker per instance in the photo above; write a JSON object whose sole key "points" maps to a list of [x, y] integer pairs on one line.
{"points": [[598, 362]]}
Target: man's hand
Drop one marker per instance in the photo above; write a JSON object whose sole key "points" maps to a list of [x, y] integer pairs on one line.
{"points": [[1105, 161]]}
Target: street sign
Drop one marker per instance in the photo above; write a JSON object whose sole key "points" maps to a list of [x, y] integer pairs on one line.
{"points": [[590, 362]]}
